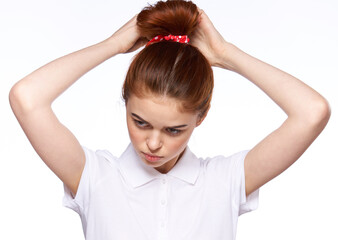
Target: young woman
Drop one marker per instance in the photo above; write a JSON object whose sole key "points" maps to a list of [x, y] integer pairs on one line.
{"points": [[158, 189]]}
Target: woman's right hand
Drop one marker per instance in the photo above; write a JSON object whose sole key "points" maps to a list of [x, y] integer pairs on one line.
{"points": [[128, 37]]}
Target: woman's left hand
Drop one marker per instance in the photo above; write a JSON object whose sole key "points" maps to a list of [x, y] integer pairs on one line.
{"points": [[209, 41]]}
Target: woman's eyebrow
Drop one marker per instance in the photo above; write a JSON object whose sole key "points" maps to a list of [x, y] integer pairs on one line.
{"points": [[141, 119], [137, 116], [179, 126]]}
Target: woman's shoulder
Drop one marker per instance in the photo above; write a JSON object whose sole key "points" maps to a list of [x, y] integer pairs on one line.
{"points": [[221, 162], [226, 157], [100, 159], [222, 170]]}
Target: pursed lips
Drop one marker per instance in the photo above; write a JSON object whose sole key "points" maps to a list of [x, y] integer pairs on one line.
{"points": [[152, 158]]}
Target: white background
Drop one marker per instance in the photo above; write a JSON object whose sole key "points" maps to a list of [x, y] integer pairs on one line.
{"points": [[298, 36]]}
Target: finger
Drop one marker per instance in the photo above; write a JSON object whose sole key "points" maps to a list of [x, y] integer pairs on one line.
{"points": [[200, 11], [139, 43]]}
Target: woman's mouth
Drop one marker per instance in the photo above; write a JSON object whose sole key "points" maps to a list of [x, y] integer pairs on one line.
{"points": [[151, 158]]}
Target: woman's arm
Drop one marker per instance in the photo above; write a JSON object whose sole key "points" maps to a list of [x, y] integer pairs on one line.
{"points": [[31, 100], [308, 112]]}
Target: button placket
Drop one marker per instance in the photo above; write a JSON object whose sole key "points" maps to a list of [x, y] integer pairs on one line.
{"points": [[163, 207], [164, 189]]}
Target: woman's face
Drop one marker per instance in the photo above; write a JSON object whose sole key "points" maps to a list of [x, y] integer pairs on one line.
{"points": [[158, 130]]}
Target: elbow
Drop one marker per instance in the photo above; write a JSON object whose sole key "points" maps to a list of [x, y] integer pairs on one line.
{"points": [[14, 97], [320, 113], [19, 99]]}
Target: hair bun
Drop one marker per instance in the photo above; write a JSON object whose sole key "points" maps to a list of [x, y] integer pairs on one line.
{"points": [[176, 17]]}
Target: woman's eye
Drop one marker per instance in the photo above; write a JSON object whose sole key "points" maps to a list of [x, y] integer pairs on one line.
{"points": [[173, 131], [140, 123]]}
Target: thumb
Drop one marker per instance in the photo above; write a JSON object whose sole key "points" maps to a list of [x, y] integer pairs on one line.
{"points": [[139, 43]]}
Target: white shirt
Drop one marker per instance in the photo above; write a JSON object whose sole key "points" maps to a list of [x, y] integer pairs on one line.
{"points": [[123, 198]]}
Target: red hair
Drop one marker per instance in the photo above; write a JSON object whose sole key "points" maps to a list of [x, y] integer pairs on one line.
{"points": [[171, 69]]}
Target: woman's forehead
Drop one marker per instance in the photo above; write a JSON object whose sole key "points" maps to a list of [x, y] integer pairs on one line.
{"points": [[159, 109]]}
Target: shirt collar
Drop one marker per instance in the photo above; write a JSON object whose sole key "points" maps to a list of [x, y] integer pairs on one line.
{"points": [[137, 173]]}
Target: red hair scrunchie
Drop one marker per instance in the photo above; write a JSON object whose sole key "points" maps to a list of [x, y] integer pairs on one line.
{"points": [[178, 38]]}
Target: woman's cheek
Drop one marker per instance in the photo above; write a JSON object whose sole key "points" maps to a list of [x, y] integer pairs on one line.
{"points": [[134, 133], [178, 144]]}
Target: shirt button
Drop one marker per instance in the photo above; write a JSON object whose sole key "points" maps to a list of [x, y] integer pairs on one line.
{"points": [[163, 202], [164, 181], [162, 224]]}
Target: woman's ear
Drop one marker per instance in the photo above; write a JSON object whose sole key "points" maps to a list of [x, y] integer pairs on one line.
{"points": [[200, 118]]}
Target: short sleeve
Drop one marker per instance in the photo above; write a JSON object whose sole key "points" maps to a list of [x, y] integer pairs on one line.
{"points": [[245, 203], [79, 202]]}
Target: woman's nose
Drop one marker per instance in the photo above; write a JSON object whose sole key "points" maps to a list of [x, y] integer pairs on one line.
{"points": [[154, 141]]}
